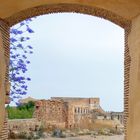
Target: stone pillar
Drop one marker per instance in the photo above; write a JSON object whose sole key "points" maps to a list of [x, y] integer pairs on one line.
{"points": [[133, 125], [4, 80], [70, 116]]}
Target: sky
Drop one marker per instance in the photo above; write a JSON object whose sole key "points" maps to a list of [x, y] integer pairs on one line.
{"points": [[77, 55]]}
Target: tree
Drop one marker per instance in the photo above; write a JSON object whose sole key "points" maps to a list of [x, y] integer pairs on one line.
{"points": [[19, 52], [22, 111]]}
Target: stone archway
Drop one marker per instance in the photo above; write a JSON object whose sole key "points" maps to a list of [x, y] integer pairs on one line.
{"points": [[30, 9]]}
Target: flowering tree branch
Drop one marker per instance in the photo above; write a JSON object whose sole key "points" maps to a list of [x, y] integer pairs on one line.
{"points": [[19, 62]]}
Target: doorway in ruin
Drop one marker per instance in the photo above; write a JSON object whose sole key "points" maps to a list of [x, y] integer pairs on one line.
{"points": [[78, 108]]}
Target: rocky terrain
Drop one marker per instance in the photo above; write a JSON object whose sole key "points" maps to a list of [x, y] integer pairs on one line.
{"points": [[77, 134]]}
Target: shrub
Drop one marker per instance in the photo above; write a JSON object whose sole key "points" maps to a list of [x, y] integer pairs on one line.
{"points": [[21, 112]]}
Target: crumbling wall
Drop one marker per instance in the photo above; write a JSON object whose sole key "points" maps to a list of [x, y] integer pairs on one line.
{"points": [[79, 114], [51, 112], [65, 112], [93, 103], [23, 124]]}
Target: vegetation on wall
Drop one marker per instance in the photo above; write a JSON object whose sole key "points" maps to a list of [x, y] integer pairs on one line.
{"points": [[22, 111]]}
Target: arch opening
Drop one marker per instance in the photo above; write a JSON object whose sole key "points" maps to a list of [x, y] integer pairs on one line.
{"points": [[81, 113], [126, 24]]}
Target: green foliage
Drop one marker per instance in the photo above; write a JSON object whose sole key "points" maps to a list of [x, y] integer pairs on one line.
{"points": [[21, 112]]}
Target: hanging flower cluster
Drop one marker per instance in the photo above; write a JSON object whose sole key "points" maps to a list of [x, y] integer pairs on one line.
{"points": [[19, 51]]}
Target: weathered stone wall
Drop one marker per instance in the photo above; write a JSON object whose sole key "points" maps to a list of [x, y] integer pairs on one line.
{"points": [[23, 124], [118, 116], [66, 112], [133, 127], [70, 116], [78, 111], [108, 123], [4, 80], [51, 112], [82, 120], [92, 103]]}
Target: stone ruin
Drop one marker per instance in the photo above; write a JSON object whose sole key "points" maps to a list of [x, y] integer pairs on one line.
{"points": [[65, 112]]}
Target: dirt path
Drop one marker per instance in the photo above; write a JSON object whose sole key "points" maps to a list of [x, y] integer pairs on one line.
{"points": [[118, 137]]}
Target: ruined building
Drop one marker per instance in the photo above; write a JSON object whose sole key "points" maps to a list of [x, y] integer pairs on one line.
{"points": [[64, 112]]}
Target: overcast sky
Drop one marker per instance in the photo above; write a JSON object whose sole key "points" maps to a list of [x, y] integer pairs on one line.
{"points": [[77, 55]]}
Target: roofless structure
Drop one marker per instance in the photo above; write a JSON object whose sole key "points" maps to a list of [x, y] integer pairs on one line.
{"points": [[125, 13]]}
